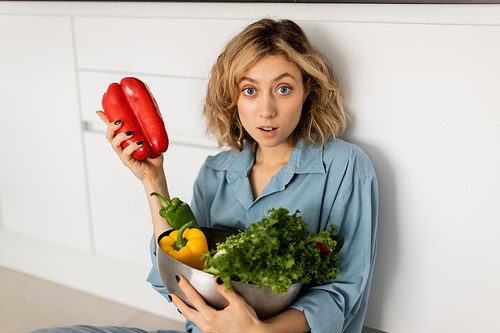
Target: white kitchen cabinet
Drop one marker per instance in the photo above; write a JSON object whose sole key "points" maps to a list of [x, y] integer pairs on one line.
{"points": [[42, 180], [120, 213], [166, 46], [122, 224]]}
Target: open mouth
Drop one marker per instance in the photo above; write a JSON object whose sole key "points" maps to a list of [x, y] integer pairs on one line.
{"points": [[267, 129]]}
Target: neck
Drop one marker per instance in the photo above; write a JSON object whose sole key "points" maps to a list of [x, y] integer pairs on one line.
{"points": [[273, 156]]}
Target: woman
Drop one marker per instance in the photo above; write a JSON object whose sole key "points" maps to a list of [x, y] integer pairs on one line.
{"points": [[273, 99]]}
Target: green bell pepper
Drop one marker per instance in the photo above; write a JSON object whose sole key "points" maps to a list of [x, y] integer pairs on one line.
{"points": [[176, 212]]}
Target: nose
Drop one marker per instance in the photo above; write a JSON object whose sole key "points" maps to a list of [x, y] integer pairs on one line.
{"points": [[267, 106]]}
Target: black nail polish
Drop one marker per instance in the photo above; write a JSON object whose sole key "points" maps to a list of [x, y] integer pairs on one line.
{"points": [[178, 278], [118, 122], [129, 133], [219, 280], [170, 298], [179, 311], [139, 143]]}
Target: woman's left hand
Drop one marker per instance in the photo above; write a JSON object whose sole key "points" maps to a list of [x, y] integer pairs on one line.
{"points": [[238, 316]]}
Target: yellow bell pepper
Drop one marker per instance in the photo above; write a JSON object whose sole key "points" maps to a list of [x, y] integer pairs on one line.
{"points": [[186, 245]]}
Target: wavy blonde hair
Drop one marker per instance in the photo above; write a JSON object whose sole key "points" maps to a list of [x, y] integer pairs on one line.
{"points": [[323, 114]]}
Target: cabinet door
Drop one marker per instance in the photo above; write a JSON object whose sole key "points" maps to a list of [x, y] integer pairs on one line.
{"points": [[120, 212], [42, 177], [161, 46]]}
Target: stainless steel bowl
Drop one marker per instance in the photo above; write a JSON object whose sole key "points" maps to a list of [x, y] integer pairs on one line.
{"points": [[265, 303]]}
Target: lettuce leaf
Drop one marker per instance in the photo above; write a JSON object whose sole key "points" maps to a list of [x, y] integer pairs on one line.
{"points": [[277, 252]]}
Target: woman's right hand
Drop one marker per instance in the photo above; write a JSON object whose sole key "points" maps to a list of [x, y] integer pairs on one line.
{"points": [[147, 170]]}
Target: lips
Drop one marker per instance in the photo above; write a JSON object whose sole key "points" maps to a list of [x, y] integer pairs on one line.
{"points": [[267, 131]]}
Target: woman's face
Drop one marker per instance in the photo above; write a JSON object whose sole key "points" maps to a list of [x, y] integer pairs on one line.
{"points": [[270, 100]]}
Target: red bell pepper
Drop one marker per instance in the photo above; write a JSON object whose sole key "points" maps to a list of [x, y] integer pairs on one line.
{"points": [[131, 102], [322, 248]]}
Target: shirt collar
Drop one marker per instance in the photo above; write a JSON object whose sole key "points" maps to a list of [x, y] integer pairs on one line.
{"points": [[309, 158], [304, 159]]}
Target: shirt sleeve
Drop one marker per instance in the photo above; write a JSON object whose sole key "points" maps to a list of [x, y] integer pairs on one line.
{"points": [[197, 202], [333, 307], [154, 274]]}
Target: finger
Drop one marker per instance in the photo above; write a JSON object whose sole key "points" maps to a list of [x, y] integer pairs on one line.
{"points": [[103, 116], [116, 141], [195, 298], [184, 309], [126, 155], [112, 128], [231, 295]]}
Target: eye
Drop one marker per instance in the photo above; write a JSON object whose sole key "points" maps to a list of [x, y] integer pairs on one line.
{"points": [[283, 90], [249, 91]]}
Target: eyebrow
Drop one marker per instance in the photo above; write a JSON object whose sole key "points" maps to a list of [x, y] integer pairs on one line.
{"points": [[286, 74]]}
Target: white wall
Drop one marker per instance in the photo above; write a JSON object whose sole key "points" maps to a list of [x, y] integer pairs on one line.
{"points": [[421, 84]]}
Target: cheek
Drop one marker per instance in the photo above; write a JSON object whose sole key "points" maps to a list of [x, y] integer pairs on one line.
{"points": [[245, 108], [295, 122], [243, 115], [295, 110], [241, 111]]}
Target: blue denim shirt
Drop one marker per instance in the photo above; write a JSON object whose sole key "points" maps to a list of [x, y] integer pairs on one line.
{"points": [[331, 184]]}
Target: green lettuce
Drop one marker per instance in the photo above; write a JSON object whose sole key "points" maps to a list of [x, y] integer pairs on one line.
{"points": [[277, 252]]}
